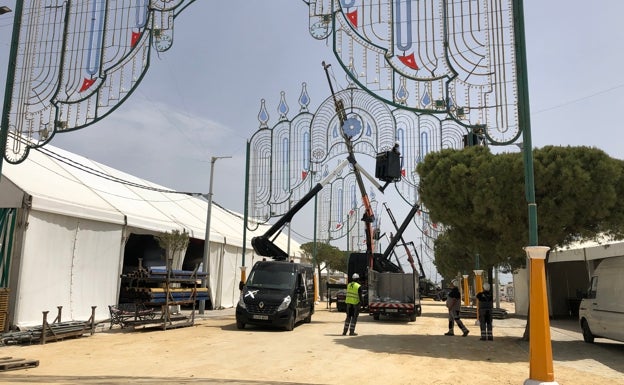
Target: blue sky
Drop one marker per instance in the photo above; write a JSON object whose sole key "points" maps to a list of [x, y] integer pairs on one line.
{"points": [[201, 98]]}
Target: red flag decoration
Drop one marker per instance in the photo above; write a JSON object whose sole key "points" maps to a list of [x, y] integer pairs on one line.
{"points": [[135, 38], [86, 83], [409, 60], [434, 225], [304, 173], [353, 18], [338, 226], [403, 172]]}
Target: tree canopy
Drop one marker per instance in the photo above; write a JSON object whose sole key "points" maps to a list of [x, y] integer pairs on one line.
{"points": [[326, 254], [479, 198]]}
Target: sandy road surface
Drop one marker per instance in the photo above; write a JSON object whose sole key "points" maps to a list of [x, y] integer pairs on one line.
{"points": [[388, 351]]}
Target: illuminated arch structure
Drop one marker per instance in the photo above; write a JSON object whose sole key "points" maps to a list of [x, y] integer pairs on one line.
{"points": [[449, 58], [77, 61], [287, 159]]}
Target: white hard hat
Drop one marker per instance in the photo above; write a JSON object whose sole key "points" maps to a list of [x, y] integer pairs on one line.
{"points": [[355, 276], [454, 282], [486, 286]]}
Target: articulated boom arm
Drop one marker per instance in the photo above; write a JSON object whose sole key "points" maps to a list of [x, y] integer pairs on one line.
{"points": [[264, 245], [369, 215], [399, 235], [422, 270]]}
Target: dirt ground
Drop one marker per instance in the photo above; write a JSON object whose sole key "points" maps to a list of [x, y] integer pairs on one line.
{"points": [[388, 351]]}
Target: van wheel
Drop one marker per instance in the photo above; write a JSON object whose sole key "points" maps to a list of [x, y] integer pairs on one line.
{"points": [[308, 319], [412, 317], [376, 316], [418, 310], [290, 325], [240, 324], [587, 334]]}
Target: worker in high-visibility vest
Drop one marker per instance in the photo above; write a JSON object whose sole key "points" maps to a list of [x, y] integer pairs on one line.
{"points": [[353, 300]]}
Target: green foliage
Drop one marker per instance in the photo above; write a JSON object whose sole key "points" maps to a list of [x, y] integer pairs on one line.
{"points": [[332, 256], [173, 242], [480, 199]]}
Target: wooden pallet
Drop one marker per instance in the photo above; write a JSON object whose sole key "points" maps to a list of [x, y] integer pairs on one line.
{"points": [[10, 363], [4, 308]]}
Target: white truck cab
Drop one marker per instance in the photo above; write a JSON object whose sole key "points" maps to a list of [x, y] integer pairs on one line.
{"points": [[601, 314]]}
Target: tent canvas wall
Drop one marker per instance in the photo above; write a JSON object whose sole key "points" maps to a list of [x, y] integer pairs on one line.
{"points": [[74, 218]]}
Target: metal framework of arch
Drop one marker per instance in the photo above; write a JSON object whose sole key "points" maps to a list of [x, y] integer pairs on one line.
{"points": [[287, 159], [453, 59], [74, 62]]}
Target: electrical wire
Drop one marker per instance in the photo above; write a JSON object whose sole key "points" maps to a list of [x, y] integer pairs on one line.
{"points": [[90, 170]]}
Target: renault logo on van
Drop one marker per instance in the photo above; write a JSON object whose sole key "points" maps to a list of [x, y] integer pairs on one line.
{"points": [[261, 305]]}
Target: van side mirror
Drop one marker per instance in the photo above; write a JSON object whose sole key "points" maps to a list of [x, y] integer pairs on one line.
{"points": [[241, 284]]}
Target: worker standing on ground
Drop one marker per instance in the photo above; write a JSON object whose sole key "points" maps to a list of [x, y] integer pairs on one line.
{"points": [[453, 303], [486, 303], [353, 300]]}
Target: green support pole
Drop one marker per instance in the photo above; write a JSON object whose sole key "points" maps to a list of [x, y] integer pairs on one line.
{"points": [[314, 235], [540, 346], [524, 118], [10, 82], [246, 211]]}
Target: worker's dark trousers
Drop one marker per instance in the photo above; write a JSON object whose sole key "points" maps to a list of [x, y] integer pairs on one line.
{"points": [[454, 319], [352, 315], [485, 323]]}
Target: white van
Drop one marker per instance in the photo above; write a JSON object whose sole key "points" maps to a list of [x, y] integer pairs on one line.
{"points": [[601, 314]]}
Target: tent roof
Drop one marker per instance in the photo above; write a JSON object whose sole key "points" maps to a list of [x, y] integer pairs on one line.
{"points": [[62, 182], [582, 251]]}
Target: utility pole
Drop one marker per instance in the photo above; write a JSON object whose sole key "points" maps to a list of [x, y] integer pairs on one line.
{"points": [[206, 256]]}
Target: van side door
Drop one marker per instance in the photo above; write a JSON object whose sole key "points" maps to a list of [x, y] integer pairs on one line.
{"points": [[594, 313], [609, 313], [301, 295]]}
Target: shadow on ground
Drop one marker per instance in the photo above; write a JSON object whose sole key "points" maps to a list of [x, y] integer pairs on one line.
{"points": [[134, 380], [471, 348]]}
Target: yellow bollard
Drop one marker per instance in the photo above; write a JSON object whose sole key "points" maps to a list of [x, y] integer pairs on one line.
{"points": [[316, 289], [540, 346], [466, 291]]}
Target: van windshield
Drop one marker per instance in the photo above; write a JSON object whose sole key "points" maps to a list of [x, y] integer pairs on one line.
{"points": [[271, 279]]}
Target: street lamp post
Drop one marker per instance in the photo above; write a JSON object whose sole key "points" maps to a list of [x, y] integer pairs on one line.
{"points": [[205, 269]]}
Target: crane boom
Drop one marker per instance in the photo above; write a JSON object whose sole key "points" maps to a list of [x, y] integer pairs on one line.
{"points": [[368, 216], [399, 235], [264, 245]]}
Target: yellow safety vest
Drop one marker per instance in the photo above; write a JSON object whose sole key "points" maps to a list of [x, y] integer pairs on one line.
{"points": [[352, 293]]}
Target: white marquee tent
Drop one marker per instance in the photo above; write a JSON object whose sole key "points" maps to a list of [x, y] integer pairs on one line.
{"points": [[73, 219]]}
